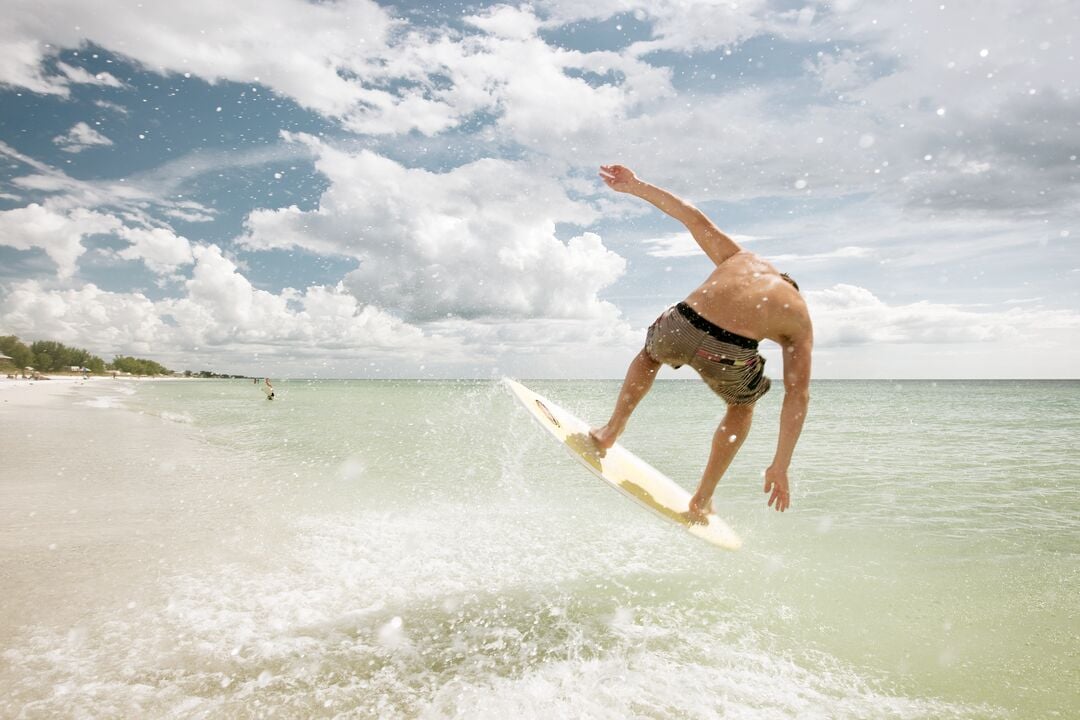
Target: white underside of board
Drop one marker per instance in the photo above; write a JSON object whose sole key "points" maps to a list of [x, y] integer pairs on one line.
{"points": [[623, 470]]}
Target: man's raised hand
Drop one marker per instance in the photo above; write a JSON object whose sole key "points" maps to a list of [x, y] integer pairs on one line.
{"points": [[617, 177]]}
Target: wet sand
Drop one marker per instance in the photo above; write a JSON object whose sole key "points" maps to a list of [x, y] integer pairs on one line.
{"points": [[96, 499]]}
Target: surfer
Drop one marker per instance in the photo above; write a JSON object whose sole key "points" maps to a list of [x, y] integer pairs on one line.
{"points": [[716, 331]]}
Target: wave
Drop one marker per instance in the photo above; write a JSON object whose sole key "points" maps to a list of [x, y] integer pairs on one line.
{"points": [[386, 615]]}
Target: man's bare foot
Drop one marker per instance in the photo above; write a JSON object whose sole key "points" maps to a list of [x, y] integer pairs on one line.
{"points": [[603, 437]]}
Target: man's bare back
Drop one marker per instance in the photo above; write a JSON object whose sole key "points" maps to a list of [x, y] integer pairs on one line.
{"points": [[746, 295]]}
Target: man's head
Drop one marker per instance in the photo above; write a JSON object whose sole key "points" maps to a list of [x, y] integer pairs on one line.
{"points": [[790, 280]]}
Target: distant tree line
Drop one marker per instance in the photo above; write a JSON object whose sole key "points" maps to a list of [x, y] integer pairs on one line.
{"points": [[207, 374], [51, 356], [138, 366]]}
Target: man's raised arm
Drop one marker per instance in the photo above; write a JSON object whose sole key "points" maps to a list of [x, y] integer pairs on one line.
{"points": [[718, 246]]}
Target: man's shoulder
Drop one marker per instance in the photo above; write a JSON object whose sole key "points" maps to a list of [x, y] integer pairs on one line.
{"points": [[789, 321]]}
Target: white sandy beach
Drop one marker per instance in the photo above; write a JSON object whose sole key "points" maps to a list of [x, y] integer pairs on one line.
{"points": [[91, 506]]}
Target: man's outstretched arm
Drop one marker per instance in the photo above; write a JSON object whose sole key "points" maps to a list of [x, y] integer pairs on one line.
{"points": [[718, 246]]}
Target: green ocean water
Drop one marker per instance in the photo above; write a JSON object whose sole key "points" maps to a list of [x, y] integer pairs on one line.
{"points": [[422, 549]]}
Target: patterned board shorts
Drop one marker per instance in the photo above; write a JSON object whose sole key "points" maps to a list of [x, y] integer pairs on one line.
{"points": [[728, 363]]}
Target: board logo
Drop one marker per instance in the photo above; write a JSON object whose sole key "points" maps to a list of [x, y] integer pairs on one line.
{"points": [[547, 413]]}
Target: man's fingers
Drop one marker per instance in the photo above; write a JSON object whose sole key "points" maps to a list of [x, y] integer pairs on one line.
{"points": [[780, 498]]}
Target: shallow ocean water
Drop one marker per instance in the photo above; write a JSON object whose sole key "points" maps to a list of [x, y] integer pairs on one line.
{"points": [[422, 549]]}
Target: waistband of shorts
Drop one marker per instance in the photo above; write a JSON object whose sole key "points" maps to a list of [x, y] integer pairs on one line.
{"points": [[714, 330]]}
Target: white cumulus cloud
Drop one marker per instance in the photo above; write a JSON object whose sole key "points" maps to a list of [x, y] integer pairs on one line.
{"points": [[851, 315], [314, 45], [59, 233], [220, 310], [477, 241], [160, 248]]}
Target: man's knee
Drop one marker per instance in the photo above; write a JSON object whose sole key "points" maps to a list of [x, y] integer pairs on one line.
{"points": [[739, 414]]}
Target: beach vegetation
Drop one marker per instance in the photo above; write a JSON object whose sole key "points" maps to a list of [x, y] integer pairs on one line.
{"points": [[49, 356], [138, 366], [16, 350], [52, 356]]}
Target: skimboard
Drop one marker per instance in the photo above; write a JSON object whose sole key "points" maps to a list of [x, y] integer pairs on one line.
{"points": [[622, 470]]}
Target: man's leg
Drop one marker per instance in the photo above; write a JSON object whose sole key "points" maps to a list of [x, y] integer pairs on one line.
{"points": [[727, 440], [639, 379]]}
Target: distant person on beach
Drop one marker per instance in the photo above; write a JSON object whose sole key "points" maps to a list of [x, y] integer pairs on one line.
{"points": [[716, 330], [268, 389]]}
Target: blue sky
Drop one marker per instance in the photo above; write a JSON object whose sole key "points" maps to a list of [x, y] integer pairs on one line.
{"points": [[360, 189]]}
